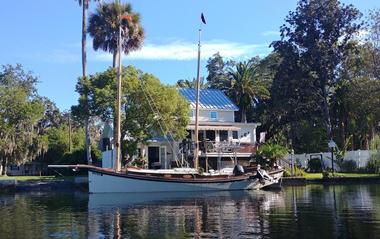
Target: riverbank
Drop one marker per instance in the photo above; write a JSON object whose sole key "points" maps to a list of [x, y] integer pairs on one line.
{"points": [[338, 178], [43, 183], [47, 183]]}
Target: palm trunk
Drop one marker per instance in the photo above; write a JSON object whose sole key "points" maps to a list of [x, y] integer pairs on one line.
{"points": [[243, 115], [84, 63], [114, 58]]}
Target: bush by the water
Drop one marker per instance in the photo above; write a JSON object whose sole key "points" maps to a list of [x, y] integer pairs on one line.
{"points": [[348, 166], [269, 154], [298, 172], [373, 165]]}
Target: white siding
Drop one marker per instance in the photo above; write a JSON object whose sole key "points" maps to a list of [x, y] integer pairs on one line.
{"points": [[246, 134], [223, 116]]}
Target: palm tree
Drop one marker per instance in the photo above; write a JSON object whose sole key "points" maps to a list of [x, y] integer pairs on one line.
{"points": [[185, 83], [247, 87], [104, 28], [113, 25], [84, 4]]}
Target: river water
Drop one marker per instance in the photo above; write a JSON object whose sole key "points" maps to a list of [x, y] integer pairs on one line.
{"points": [[314, 211]]}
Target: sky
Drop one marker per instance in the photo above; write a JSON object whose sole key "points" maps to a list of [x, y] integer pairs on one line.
{"points": [[45, 37]]}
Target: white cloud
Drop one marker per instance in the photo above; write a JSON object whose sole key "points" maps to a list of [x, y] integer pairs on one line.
{"points": [[361, 35], [64, 56], [271, 33], [182, 50]]}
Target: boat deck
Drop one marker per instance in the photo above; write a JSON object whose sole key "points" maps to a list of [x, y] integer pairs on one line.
{"points": [[179, 175]]}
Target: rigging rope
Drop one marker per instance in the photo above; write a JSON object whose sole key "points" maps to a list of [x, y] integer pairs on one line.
{"points": [[155, 110]]}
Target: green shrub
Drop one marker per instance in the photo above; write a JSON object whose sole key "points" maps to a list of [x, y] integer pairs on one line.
{"points": [[287, 173], [326, 174], [269, 154], [348, 166], [76, 157], [141, 162], [298, 172], [96, 153], [373, 165]]}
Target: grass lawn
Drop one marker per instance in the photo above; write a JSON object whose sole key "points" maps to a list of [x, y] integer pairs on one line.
{"points": [[31, 178], [319, 175], [313, 175]]}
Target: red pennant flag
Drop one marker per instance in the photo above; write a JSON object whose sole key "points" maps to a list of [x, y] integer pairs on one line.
{"points": [[203, 18]]}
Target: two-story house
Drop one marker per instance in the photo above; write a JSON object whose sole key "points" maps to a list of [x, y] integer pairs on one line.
{"points": [[222, 140]]}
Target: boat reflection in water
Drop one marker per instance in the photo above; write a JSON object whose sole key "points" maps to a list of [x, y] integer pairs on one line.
{"points": [[177, 215], [313, 211]]}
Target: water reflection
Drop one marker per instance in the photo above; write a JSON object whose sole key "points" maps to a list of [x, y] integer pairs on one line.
{"points": [[315, 211], [216, 214]]}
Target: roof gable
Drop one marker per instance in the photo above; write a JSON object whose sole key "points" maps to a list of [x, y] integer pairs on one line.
{"points": [[210, 99]]}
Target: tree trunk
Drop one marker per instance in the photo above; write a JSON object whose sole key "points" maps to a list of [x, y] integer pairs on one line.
{"points": [[84, 73], [114, 65], [84, 32], [342, 133], [243, 115], [3, 166], [326, 112], [114, 130], [88, 140], [114, 58]]}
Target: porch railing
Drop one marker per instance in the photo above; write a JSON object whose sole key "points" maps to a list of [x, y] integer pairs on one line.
{"points": [[206, 147]]}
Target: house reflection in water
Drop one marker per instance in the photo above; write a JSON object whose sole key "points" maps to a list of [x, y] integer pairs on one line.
{"points": [[180, 215]]}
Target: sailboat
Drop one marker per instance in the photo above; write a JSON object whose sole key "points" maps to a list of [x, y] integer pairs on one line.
{"points": [[111, 178]]}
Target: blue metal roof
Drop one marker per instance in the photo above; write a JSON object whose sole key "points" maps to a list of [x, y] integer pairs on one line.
{"points": [[209, 99]]}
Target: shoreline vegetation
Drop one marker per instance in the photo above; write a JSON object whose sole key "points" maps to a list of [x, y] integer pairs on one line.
{"points": [[303, 105]]}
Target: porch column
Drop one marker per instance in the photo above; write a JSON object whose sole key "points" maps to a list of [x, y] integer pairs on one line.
{"points": [[229, 135], [253, 137]]}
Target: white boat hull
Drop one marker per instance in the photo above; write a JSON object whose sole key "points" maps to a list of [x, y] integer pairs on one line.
{"points": [[108, 183]]}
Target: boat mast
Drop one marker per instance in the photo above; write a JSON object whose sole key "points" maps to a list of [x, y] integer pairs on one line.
{"points": [[196, 154], [118, 104]]}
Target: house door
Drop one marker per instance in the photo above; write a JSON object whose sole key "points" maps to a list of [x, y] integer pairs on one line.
{"points": [[210, 135], [154, 157]]}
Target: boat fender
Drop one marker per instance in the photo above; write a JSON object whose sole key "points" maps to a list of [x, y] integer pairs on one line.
{"points": [[238, 170]]}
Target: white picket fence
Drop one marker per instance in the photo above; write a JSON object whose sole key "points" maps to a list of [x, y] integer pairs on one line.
{"points": [[361, 158]]}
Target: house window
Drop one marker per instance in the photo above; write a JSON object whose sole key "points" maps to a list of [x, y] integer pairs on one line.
{"points": [[223, 135], [213, 115], [235, 135], [191, 114]]}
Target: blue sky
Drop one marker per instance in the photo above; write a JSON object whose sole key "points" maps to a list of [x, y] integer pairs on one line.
{"points": [[44, 36]]}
